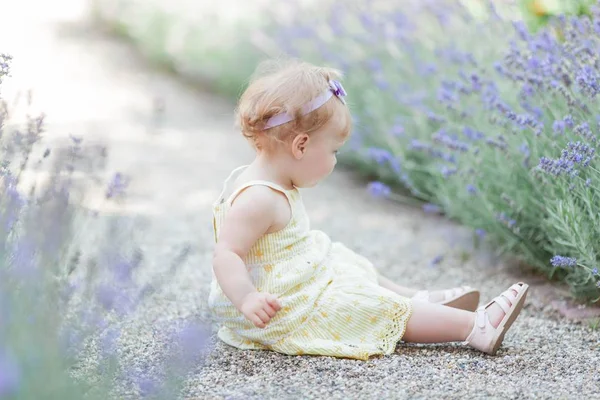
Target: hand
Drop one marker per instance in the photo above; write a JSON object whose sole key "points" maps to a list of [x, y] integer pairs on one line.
{"points": [[260, 308]]}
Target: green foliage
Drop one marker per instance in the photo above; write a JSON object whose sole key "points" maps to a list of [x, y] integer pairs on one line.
{"points": [[537, 13], [466, 110]]}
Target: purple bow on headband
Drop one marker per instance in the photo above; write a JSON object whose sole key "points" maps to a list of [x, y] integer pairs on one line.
{"points": [[335, 88]]}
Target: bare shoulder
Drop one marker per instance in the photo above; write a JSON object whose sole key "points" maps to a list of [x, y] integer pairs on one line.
{"points": [[261, 204], [259, 196], [257, 199]]}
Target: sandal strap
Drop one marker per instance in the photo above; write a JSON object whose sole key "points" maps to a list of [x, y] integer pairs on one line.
{"points": [[510, 295], [502, 303], [517, 288], [480, 317]]}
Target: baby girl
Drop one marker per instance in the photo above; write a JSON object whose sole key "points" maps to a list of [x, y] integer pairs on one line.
{"points": [[278, 285]]}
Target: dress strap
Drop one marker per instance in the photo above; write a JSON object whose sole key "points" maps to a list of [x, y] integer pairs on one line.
{"points": [[231, 175], [246, 185]]}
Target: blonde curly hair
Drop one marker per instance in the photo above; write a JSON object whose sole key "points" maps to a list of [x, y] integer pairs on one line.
{"points": [[285, 86]]}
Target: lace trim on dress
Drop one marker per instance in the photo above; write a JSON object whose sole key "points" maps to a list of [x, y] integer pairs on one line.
{"points": [[398, 315]]}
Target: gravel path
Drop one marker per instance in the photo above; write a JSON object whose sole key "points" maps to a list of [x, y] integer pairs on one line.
{"points": [[178, 158]]}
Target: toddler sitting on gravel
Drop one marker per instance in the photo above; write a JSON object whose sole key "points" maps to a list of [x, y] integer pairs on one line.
{"points": [[279, 285]]}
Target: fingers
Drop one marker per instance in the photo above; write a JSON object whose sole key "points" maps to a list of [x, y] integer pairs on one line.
{"points": [[273, 302], [257, 322], [264, 309], [270, 310], [264, 317]]}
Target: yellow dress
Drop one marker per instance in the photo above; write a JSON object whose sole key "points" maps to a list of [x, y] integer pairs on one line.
{"points": [[331, 302]]}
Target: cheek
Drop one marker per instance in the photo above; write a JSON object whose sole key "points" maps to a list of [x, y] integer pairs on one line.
{"points": [[331, 161]]}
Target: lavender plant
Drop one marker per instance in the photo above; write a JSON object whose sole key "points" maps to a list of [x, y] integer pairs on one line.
{"points": [[471, 113], [502, 138], [67, 279]]}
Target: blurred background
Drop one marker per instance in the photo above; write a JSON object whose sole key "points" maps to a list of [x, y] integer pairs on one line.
{"points": [[475, 129]]}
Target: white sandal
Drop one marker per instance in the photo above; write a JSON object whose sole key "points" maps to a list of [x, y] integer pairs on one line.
{"points": [[484, 336], [464, 298]]}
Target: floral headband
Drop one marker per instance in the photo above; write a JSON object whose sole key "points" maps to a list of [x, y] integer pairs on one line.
{"points": [[335, 88]]}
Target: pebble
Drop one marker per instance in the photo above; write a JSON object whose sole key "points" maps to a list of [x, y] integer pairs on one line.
{"points": [[543, 356]]}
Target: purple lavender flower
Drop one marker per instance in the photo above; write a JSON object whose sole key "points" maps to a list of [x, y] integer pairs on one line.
{"points": [[525, 120], [447, 96], [427, 69], [191, 341], [382, 156], [521, 30], [336, 21], [447, 172], [471, 189], [433, 117], [374, 65], [123, 268], [378, 189], [148, 386], [560, 261], [527, 90], [480, 233], [595, 271], [108, 342], [23, 257], [588, 81], [10, 375], [114, 298], [584, 131], [575, 153], [76, 140], [559, 126], [496, 143], [437, 259], [117, 186], [381, 82], [445, 139], [472, 133], [397, 130], [499, 68], [431, 208], [568, 120], [416, 144], [368, 21]]}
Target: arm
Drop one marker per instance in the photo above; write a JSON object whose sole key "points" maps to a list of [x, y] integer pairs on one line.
{"points": [[249, 218]]}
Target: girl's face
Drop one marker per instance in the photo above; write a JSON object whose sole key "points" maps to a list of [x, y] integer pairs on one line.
{"points": [[316, 154]]}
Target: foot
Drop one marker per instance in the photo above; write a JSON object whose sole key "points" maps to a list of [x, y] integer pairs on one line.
{"points": [[495, 318], [464, 298], [495, 312]]}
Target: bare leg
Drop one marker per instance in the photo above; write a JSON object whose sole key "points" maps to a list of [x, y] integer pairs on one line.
{"points": [[401, 290], [434, 323], [434, 295]]}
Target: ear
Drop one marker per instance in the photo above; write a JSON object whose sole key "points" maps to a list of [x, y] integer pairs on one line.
{"points": [[299, 145]]}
